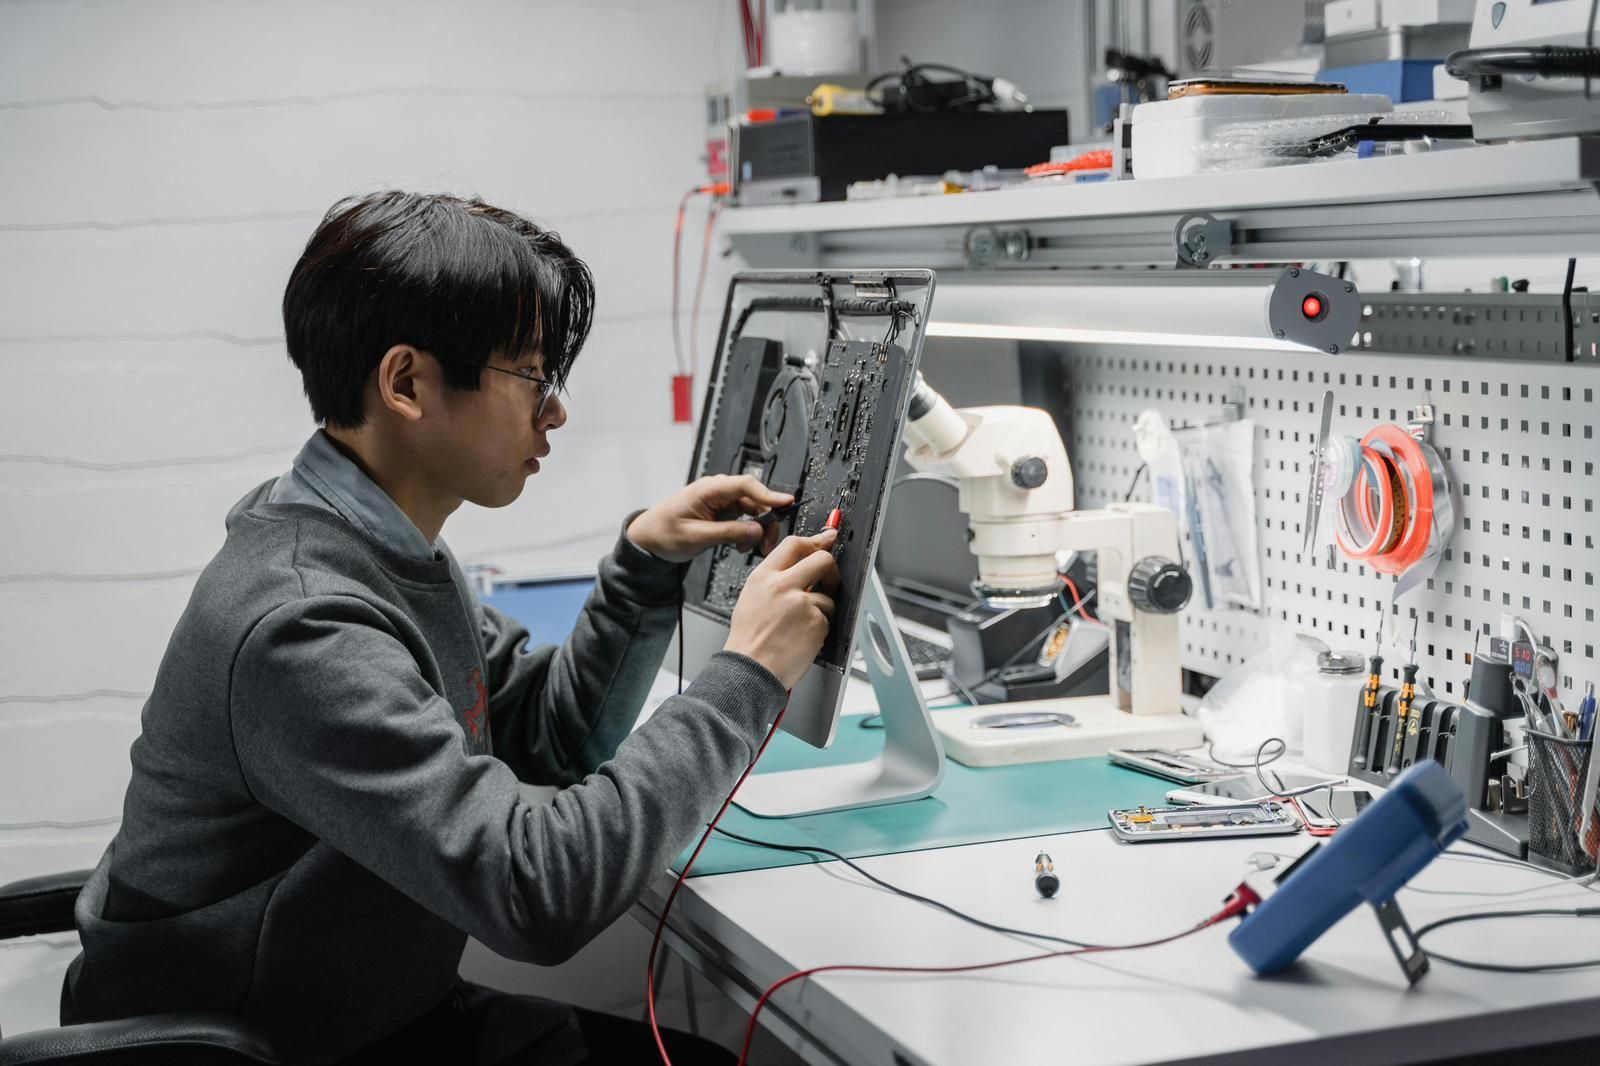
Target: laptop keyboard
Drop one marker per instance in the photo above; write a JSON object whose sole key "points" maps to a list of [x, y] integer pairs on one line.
{"points": [[925, 654]]}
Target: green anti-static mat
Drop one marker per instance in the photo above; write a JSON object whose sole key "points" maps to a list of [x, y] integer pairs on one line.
{"points": [[970, 806]]}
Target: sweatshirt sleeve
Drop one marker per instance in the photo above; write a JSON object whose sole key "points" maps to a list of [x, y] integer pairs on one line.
{"points": [[557, 713], [338, 731]]}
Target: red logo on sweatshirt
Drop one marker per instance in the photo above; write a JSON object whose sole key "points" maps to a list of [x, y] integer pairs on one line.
{"points": [[476, 715]]}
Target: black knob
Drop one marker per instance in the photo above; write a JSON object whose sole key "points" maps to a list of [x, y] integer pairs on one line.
{"points": [[1029, 472], [1159, 585]]}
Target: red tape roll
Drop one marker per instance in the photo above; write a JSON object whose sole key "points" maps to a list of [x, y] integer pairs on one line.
{"points": [[1401, 532]]}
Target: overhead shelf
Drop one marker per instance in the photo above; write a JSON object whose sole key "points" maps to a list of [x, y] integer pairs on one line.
{"points": [[1538, 198]]}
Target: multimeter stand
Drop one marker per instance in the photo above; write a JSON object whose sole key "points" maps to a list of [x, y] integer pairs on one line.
{"points": [[1412, 959]]}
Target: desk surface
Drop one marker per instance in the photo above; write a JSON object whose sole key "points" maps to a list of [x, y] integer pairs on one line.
{"points": [[1190, 1002]]}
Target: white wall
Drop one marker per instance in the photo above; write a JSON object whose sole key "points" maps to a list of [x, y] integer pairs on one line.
{"points": [[161, 164]]}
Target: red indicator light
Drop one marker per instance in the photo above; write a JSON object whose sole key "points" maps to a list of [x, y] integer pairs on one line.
{"points": [[1311, 307]]}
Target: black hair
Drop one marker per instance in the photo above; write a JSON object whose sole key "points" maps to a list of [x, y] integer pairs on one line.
{"points": [[460, 279]]}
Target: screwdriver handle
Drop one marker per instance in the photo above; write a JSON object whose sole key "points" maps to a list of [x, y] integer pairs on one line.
{"points": [[1408, 692]]}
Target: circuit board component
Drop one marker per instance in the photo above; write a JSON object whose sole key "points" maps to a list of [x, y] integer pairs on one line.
{"points": [[824, 429]]}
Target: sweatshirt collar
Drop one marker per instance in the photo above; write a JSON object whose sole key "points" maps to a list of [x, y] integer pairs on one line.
{"points": [[323, 476]]}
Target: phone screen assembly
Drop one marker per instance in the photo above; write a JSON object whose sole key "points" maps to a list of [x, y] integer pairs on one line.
{"points": [[1169, 765], [1148, 825], [1242, 789]]}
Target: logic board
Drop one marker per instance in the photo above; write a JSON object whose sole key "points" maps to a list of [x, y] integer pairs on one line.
{"points": [[825, 429]]}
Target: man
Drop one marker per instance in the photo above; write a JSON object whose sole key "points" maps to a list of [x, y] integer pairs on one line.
{"points": [[324, 800]]}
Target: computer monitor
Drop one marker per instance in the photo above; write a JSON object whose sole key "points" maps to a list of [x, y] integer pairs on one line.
{"points": [[808, 391]]}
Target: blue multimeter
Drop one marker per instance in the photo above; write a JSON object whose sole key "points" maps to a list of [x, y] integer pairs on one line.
{"points": [[1420, 815]]}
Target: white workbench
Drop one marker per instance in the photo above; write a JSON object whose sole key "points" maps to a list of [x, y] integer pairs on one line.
{"points": [[1190, 1002]]}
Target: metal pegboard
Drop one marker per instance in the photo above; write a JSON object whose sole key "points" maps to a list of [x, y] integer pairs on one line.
{"points": [[1517, 327], [1519, 440]]}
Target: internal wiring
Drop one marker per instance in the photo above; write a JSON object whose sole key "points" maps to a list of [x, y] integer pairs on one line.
{"points": [[700, 287], [688, 364], [677, 281], [1072, 586], [1027, 648], [873, 721]]}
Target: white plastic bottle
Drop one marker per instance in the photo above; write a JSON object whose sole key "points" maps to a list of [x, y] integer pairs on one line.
{"points": [[1329, 709]]}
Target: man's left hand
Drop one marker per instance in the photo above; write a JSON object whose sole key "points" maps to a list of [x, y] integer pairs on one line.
{"points": [[685, 524]]}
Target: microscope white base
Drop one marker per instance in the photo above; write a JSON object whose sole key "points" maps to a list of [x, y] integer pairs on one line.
{"points": [[1100, 727]]}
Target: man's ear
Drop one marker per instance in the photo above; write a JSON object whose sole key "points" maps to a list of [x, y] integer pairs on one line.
{"points": [[403, 381]]}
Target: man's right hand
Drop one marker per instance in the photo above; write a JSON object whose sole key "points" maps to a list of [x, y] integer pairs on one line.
{"points": [[783, 613]]}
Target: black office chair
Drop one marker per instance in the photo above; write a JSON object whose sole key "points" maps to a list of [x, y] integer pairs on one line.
{"points": [[44, 905]]}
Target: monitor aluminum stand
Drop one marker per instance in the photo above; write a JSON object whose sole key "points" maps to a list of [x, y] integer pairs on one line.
{"points": [[911, 764]]}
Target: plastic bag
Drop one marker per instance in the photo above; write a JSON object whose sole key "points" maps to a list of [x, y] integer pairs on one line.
{"points": [[1219, 466], [1247, 706], [1279, 141]]}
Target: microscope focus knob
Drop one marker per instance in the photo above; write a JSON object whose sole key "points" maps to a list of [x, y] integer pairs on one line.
{"points": [[1029, 472], [1159, 585]]}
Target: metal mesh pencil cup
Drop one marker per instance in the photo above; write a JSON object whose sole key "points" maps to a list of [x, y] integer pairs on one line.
{"points": [[1556, 774]]}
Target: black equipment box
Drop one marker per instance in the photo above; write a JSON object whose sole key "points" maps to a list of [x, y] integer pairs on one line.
{"points": [[806, 158]]}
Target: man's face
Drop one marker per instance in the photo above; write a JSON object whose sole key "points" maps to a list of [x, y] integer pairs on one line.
{"points": [[497, 439]]}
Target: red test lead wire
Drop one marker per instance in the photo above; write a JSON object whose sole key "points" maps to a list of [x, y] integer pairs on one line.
{"points": [[1242, 899], [666, 909]]}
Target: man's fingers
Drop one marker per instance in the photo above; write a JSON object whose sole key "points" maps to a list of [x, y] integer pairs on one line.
{"points": [[705, 534], [791, 550], [822, 602], [770, 537], [751, 486], [726, 489], [819, 569], [751, 505]]}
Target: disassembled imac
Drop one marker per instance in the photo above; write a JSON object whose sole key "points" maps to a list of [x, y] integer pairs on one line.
{"points": [[808, 393]]}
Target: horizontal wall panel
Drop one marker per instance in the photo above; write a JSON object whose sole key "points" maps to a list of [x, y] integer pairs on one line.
{"points": [[227, 282], [72, 639], [203, 52], [187, 167]]}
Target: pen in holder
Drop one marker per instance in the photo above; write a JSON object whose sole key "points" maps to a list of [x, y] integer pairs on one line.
{"points": [[1558, 771]]}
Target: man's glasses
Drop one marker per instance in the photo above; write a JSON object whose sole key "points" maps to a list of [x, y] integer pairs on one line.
{"points": [[545, 386]]}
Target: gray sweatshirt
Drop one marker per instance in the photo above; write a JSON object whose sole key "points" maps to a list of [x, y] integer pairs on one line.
{"points": [[324, 799]]}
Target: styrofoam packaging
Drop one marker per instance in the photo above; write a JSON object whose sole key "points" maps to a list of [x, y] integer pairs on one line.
{"points": [[1166, 132], [1425, 12], [1349, 16]]}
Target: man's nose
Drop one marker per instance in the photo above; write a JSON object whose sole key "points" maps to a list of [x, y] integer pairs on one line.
{"points": [[554, 415]]}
